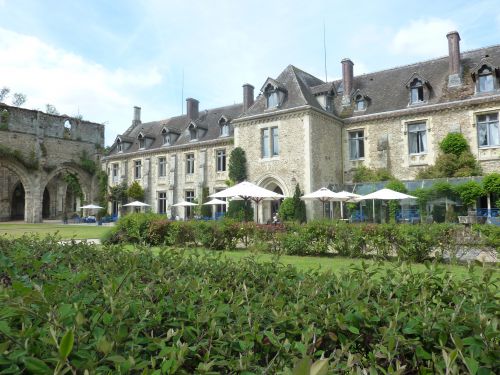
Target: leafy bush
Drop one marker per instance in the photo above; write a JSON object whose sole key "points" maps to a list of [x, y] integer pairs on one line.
{"points": [[365, 174], [77, 308], [454, 143], [287, 209], [469, 192], [491, 183], [135, 191]]}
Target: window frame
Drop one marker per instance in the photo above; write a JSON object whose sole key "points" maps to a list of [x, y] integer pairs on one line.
{"points": [[189, 196], [142, 142], [482, 75], [220, 161], [421, 141], [357, 140], [162, 167], [137, 169], [190, 163], [488, 123], [360, 99], [162, 202]]}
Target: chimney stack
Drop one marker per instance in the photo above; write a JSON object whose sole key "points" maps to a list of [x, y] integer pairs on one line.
{"points": [[247, 96], [347, 78], [192, 109], [137, 116], [454, 78]]}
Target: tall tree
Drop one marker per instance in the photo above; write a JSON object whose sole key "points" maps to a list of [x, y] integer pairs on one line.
{"points": [[238, 165], [4, 92], [18, 99]]}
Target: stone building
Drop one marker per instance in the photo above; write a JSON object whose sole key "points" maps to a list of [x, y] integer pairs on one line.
{"points": [[41, 156], [303, 130]]}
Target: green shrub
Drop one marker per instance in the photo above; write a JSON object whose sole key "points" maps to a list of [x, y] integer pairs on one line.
{"points": [[78, 308], [135, 191], [454, 143], [469, 192], [287, 209], [491, 183]]}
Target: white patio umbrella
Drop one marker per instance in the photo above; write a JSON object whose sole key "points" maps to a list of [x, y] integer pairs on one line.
{"points": [[136, 204], [386, 195], [323, 195], [344, 196], [248, 191], [91, 206], [215, 202], [184, 204]]}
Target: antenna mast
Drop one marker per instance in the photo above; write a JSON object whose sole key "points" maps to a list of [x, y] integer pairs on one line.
{"points": [[182, 93], [324, 49]]}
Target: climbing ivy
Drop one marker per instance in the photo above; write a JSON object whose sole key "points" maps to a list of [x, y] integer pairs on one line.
{"points": [[31, 162], [4, 120], [74, 184]]}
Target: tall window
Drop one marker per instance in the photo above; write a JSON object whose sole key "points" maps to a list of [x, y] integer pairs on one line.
{"points": [[193, 134], [189, 198], [221, 160], [270, 142], [275, 141], [166, 137], [416, 91], [189, 163], [162, 202], [417, 138], [272, 99], [488, 130], [356, 145], [114, 172], [137, 169], [265, 143], [142, 142], [485, 80], [119, 146], [162, 167]]}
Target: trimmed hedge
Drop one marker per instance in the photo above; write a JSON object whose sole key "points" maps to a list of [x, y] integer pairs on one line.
{"points": [[76, 307], [415, 243]]}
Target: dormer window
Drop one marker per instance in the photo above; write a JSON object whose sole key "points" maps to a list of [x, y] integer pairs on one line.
{"points": [[167, 140], [119, 145], [193, 134], [272, 99], [360, 103], [485, 82], [274, 93], [416, 91], [142, 142], [224, 127]]}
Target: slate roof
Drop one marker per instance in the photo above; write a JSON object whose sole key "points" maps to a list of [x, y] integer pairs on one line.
{"points": [[208, 119]]}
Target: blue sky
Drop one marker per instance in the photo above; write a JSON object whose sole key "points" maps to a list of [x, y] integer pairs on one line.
{"points": [[100, 58]]}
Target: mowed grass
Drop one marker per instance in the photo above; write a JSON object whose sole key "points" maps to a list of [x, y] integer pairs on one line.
{"points": [[338, 264], [65, 231]]}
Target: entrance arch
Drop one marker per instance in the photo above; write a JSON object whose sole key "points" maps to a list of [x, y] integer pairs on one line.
{"points": [[16, 192], [269, 208], [59, 198]]}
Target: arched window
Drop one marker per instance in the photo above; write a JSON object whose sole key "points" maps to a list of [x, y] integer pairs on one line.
{"points": [[167, 140], [224, 127], [272, 96], [142, 141], [485, 82], [416, 91], [360, 103], [119, 145], [193, 132]]}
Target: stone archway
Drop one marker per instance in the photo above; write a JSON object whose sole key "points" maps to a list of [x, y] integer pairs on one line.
{"points": [[59, 198], [18, 188], [269, 208]]}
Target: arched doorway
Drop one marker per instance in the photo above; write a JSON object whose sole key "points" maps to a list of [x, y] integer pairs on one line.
{"points": [[46, 204], [18, 202], [275, 205], [269, 207]]}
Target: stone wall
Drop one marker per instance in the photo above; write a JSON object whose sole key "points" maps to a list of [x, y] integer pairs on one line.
{"points": [[177, 181], [40, 149], [386, 140]]}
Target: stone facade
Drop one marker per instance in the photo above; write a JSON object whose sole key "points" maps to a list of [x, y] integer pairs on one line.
{"points": [[37, 151], [302, 130]]}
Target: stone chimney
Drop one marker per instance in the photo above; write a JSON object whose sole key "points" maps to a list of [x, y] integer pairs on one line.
{"points": [[247, 96], [137, 116], [454, 78], [192, 108], [347, 80]]}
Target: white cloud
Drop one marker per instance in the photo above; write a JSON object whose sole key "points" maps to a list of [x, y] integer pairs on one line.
{"points": [[424, 38], [70, 82]]}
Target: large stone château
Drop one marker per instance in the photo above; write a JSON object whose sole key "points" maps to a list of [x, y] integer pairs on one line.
{"points": [[38, 151], [303, 130]]}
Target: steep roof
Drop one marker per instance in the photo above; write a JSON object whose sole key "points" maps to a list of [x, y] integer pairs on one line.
{"points": [[208, 120], [297, 84]]}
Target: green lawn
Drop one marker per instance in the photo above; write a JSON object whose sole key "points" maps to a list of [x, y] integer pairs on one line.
{"points": [[337, 264], [65, 231]]}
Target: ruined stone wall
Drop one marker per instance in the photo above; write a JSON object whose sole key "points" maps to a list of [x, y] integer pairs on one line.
{"points": [[43, 147]]}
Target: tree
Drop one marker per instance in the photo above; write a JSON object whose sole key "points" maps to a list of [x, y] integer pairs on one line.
{"points": [[395, 185], [18, 99], [469, 192], [299, 205], [51, 110], [491, 184], [118, 193], [205, 211], [4, 93], [135, 191], [238, 165]]}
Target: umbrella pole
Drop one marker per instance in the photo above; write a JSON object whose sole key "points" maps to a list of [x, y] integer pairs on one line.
{"points": [[373, 202], [341, 210]]}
